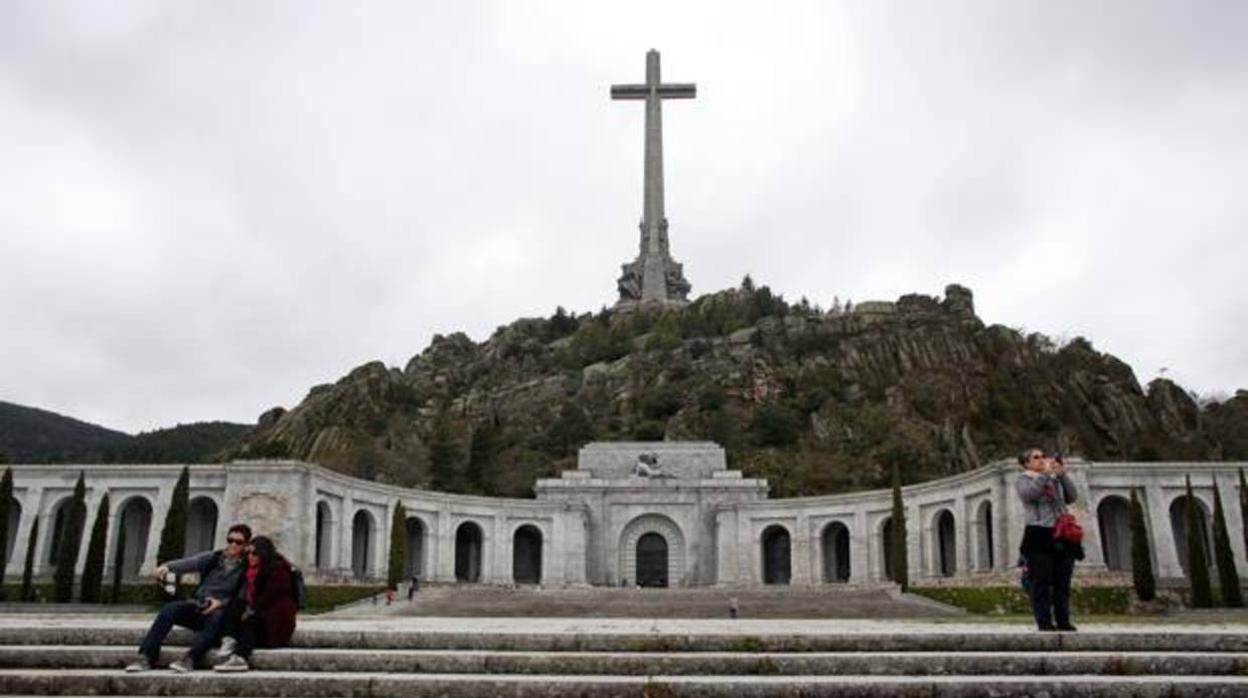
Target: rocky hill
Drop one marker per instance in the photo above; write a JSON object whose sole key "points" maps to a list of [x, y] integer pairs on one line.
{"points": [[815, 401]]}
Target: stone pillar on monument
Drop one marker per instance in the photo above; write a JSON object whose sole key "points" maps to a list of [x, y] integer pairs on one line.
{"points": [[653, 278]]}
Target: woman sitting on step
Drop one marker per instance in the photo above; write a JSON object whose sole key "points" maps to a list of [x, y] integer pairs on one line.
{"points": [[264, 616]]}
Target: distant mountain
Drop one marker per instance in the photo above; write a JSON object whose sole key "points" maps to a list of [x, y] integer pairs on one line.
{"points": [[815, 401], [31, 435]]}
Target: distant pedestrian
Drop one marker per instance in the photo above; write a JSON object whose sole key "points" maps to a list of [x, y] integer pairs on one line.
{"points": [[389, 594], [412, 587], [1045, 490]]}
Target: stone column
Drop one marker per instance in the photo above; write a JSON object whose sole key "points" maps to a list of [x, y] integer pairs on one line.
{"points": [[860, 547], [1157, 512], [801, 553]]}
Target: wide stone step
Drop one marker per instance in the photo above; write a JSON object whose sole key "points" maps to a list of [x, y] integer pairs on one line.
{"points": [[265, 684], [671, 663], [741, 640]]}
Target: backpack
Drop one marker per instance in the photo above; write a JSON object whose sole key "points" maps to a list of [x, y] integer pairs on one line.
{"points": [[298, 588]]}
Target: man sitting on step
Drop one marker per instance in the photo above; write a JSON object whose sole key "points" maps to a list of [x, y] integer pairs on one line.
{"points": [[220, 575]]}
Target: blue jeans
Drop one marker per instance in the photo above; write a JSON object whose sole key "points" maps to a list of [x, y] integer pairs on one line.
{"points": [[186, 614]]}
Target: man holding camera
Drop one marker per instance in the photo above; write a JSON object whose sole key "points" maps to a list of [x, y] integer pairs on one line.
{"points": [[220, 575], [1045, 490]]}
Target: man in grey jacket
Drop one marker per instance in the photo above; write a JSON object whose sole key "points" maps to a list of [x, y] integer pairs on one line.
{"points": [[220, 575]]}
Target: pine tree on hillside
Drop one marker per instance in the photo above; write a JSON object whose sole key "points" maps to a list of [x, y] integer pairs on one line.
{"points": [[70, 544], [173, 535], [444, 458], [482, 459], [6, 502], [28, 587], [398, 546], [1142, 577], [898, 553], [93, 568], [1197, 560], [1228, 576]]}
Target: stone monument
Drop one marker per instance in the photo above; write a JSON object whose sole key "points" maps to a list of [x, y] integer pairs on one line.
{"points": [[653, 278]]}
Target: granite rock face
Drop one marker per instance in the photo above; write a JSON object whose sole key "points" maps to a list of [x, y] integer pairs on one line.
{"points": [[815, 402]]}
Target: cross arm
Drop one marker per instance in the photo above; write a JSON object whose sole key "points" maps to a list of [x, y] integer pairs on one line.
{"points": [[686, 90]]}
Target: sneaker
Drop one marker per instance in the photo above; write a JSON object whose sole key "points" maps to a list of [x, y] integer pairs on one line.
{"points": [[1068, 628], [138, 665], [182, 666], [228, 645], [234, 663]]}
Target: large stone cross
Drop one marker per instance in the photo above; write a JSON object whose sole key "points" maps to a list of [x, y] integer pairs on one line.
{"points": [[654, 276]]}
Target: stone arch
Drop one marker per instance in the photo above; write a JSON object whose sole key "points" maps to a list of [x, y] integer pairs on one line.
{"points": [[134, 526], [985, 556], [363, 532], [414, 532], [944, 537], [1113, 516], [835, 548], [526, 559], [15, 519], [59, 516], [201, 525], [1178, 526], [777, 555], [324, 536], [469, 541], [671, 535]]}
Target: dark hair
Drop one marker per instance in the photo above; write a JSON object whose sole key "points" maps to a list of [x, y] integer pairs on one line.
{"points": [[1025, 454], [240, 528], [263, 548]]}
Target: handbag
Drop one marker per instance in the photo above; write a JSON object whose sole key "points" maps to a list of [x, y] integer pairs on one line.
{"points": [[1068, 530]]}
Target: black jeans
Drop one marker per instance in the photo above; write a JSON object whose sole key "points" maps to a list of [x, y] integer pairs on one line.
{"points": [[186, 614], [248, 633], [1050, 573]]}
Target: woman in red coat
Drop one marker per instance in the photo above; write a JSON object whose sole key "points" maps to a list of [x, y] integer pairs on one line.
{"points": [[268, 607]]}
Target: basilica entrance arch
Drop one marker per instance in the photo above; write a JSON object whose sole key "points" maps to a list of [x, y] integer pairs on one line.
{"points": [[652, 552]]}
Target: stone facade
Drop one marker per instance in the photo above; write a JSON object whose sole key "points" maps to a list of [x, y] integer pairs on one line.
{"points": [[661, 514]]}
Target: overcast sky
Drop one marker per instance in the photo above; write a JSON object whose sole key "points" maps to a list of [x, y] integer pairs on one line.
{"points": [[207, 208]]}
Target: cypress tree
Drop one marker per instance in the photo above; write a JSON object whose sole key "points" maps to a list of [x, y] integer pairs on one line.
{"points": [[70, 544], [1243, 506], [93, 568], [1228, 576], [28, 589], [1197, 561], [901, 570], [398, 546], [119, 559], [1142, 577], [173, 535], [6, 501]]}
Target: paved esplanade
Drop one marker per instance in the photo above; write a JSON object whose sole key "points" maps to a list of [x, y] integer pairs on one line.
{"points": [[654, 277]]}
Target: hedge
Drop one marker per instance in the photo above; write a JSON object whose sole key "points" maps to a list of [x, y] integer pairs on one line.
{"points": [[1012, 600]]}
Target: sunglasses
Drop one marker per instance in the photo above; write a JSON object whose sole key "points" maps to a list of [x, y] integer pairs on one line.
{"points": [[236, 541]]}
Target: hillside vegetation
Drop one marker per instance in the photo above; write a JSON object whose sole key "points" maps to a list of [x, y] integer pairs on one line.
{"points": [[816, 402]]}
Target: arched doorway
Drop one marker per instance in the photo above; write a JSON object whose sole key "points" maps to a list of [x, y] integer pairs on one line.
{"points": [[15, 519], [1178, 525], [886, 547], [652, 561], [835, 552], [59, 517], [468, 553], [201, 525], [777, 560], [946, 544], [526, 559], [324, 537], [135, 525], [983, 537], [414, 530], [361, 545], [1113, 515]]}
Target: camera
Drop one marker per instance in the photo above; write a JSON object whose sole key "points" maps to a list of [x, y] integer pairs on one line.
{"points": [[169, 583]]}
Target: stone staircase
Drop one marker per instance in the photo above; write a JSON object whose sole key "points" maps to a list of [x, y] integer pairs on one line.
{"points": [[604, 658]]}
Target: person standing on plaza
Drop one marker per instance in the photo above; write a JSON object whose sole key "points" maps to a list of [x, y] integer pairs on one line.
{"points": [[266, 615], [220, 575], [1045, 490]]}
